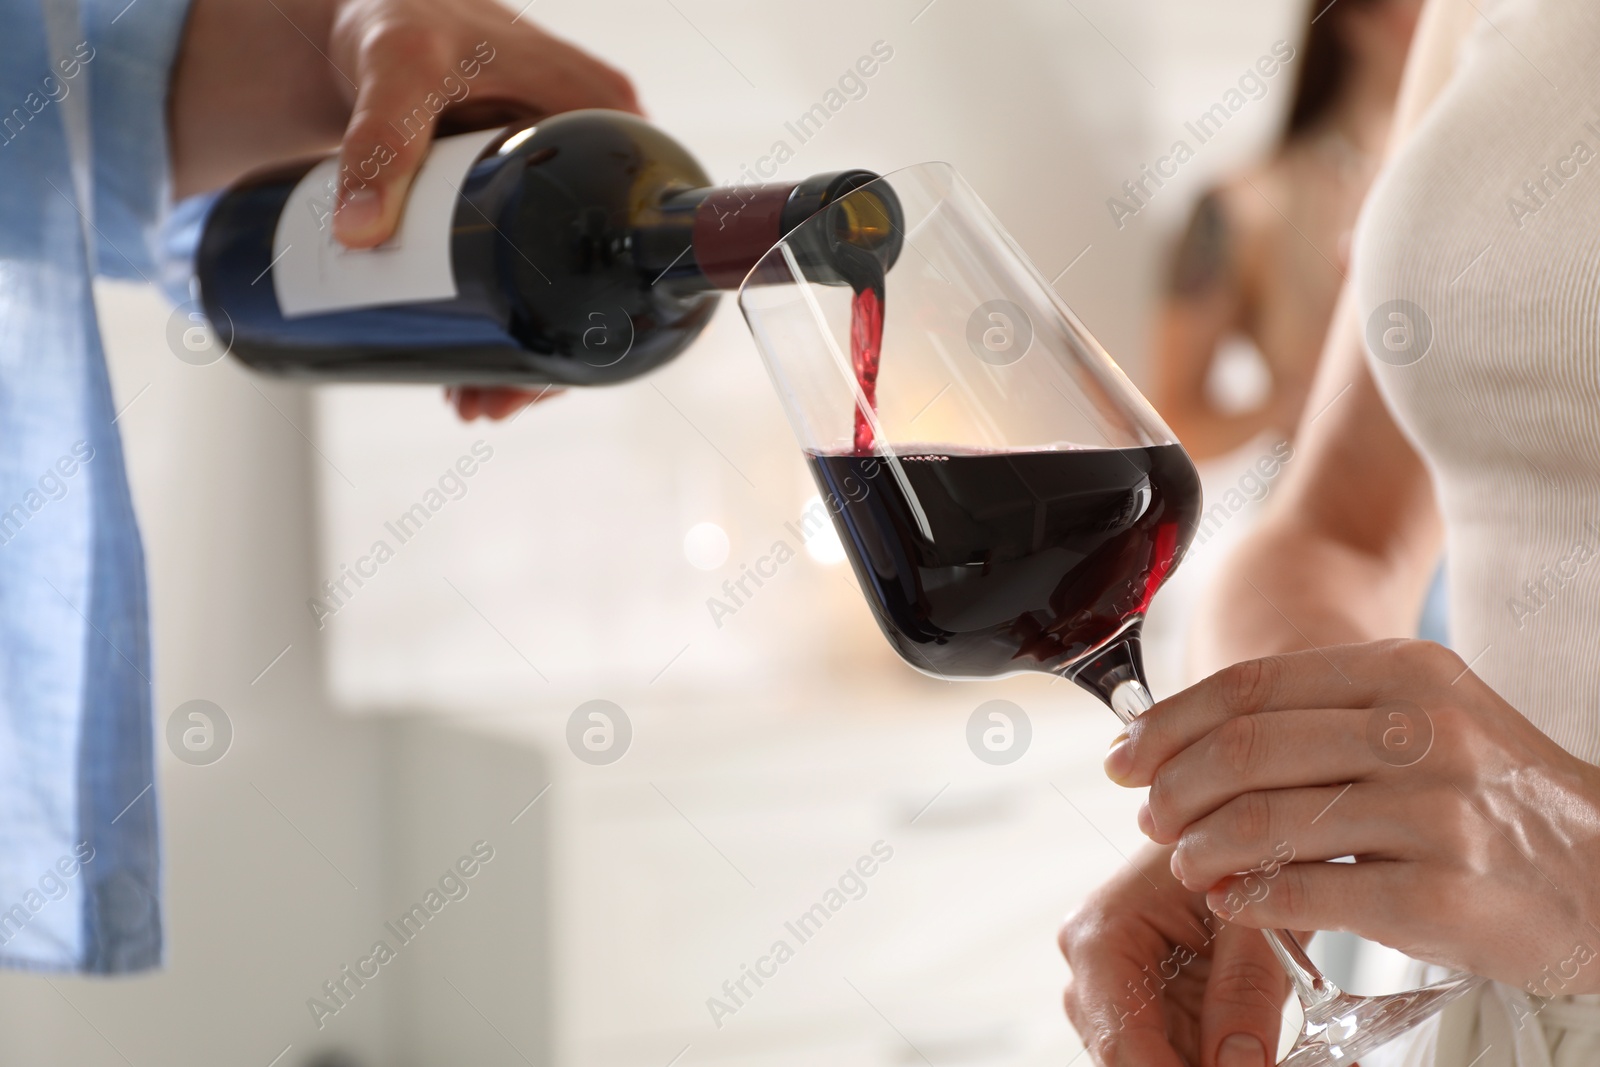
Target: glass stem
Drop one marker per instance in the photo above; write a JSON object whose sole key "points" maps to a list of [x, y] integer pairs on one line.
{"points": [[1130, 699], [1310, 987], [1116, 676]]}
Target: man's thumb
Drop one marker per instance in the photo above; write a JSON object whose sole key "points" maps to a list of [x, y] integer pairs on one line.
{"points": [[390, 129]]}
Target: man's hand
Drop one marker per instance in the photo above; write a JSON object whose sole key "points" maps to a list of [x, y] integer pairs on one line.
{"points": [[401, 53], [266, 81], [1158, 981], [496, 402], [404, 57]]}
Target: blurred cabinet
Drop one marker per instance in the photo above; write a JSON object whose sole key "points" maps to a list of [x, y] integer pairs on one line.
{"points": [[667, 877]]}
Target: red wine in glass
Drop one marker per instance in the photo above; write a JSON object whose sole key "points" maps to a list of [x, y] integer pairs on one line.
{"points": [[983, 563], [979, 564]]}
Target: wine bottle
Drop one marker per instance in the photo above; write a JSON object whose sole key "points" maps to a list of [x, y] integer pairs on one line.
{"points": [[585, 249]]}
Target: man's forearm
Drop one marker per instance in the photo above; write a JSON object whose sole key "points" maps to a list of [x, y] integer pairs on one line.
{"points": [[251, 86]]}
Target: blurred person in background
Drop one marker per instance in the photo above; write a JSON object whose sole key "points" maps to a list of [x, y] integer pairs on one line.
{"points": [[1252, 284], [107, 109], [1254, 279]]}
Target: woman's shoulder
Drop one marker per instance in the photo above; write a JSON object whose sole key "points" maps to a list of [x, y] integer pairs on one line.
{"points": [[1223, 236]]}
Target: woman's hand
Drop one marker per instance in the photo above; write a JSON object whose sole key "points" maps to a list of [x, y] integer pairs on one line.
{"points": [[1157, 981], [1476, 838], [260, 83]]}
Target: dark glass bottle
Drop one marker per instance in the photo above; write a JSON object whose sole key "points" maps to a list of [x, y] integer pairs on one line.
{"points": [[586, 249]]}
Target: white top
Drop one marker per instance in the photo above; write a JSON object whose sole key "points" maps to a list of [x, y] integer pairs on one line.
{"points": [[1488, 224]]}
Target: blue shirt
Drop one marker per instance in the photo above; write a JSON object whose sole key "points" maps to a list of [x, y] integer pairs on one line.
{"points": [[83, 179]]}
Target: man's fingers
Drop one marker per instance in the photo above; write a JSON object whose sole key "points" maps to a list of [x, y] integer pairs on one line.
{"points": [[401, 72], [408, 73], [551, 75], [1243, 1008], [497, 402]]}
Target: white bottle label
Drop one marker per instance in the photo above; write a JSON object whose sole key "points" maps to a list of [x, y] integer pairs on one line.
{"points": [[312, 273]]}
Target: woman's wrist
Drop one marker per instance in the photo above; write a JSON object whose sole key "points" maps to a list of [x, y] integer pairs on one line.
{"points": [[1578, 971]]}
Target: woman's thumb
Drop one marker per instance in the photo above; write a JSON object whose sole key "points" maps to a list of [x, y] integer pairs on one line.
{"points": [[1243, 1008]]}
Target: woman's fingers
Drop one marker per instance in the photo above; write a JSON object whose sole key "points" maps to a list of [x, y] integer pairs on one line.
{"points": [[1333, 677], [1108, 1001], [1319, 896], [1243, 1008], [1273, 750], [1126, 948], [1258, 833]]}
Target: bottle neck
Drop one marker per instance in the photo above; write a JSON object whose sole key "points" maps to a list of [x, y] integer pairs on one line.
{"points": [[710, 238]]}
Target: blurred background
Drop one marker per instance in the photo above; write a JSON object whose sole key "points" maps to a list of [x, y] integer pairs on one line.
{"points": [[762, 758]]}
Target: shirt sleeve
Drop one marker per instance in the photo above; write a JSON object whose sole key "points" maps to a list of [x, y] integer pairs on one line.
{"points": [[131, 48]]}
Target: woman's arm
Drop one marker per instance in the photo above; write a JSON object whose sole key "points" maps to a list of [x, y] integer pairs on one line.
{"points": [[1346, 550]]}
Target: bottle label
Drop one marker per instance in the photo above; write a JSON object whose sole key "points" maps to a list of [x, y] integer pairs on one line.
{"points": [[312, 273]]}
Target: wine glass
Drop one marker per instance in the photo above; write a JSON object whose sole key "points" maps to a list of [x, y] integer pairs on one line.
{"points": [[1007, 498]]}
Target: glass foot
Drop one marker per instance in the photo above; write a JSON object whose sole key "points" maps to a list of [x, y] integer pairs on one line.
{"points": [[1344, 1028]]}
